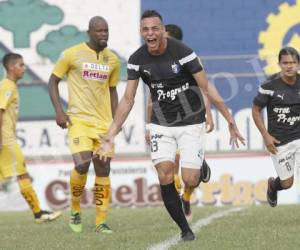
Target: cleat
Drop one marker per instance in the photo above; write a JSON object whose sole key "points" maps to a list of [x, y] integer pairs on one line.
{"points": [[187, 209], [75, 222], [103, 228], [205, 172], [46, 216], [187, 236], [271, 195]]}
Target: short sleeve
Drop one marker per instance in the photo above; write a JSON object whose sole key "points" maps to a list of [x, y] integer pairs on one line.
{"points": [[133, 69], [190, 60], [263, 96], [5, 97], [62, 65]]}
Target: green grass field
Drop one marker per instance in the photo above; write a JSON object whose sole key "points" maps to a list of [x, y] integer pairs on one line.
{"points": [[255, 227]]}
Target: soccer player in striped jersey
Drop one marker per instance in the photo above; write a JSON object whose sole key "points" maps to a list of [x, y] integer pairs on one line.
{"points": [[92, 72], [280, 94], [174, 75], [174, 31]]}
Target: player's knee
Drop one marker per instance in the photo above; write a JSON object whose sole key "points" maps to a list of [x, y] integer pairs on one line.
{"points": [[286, 184], [102, 168], [102, 171], [191, 180], [165, 178], [82, 168]]}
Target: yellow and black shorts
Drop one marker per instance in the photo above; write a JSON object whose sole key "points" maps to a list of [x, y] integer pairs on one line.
{"points": [[83, 137]]}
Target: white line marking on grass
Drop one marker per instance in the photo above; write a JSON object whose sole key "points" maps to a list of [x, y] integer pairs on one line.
{"points": [[195, 227]]}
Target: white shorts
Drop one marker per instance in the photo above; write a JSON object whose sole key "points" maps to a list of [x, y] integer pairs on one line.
{"points": [[286, 159], [189, 140]]}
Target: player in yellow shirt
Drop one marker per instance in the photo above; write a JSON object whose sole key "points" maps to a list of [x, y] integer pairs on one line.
{"points": [[92, 72], [12, 162]]}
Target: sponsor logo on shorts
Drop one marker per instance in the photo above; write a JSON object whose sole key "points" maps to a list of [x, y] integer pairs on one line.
{"points": [[200, 153], [287, 158], [156, 136]]}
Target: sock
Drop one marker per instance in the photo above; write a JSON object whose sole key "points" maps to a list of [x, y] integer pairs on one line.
{"points": [[102, 192], [173, 205], [275, 185], [177, 182], [187, 193], [77, 184], [29, 195]]}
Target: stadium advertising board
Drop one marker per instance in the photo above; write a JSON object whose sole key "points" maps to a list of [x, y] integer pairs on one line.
{"points": [[234, 181]]}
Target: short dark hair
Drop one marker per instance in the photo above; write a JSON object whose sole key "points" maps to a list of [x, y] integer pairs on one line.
{"points": [[288, 51], [8, 58], [174, 31], [95, 19], [151, 13]]}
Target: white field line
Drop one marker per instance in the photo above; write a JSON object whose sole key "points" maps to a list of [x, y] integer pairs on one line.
{"points": [[195, 227]]}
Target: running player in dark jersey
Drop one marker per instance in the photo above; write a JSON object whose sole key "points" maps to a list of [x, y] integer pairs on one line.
{"points": [[280, 94], [174, 31], [174, 75]]}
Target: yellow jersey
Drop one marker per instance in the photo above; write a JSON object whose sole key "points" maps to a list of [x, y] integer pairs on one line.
{"points": [[9, 102], [89, 77]]}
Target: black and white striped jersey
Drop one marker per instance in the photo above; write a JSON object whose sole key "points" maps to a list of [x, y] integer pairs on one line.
{"points": [[176, 97], [283, 107]]}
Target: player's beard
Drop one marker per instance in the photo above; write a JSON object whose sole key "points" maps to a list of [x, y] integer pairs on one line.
{"points": [[102, 44]]}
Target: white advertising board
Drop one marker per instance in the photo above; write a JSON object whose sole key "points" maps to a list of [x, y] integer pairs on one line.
{"points": [[234, 181]]}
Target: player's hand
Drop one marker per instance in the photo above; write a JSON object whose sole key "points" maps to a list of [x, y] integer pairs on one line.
{"points": [[148, 137], [270, 143], [107, 144], [235, 135], [209, 124], [63, 120]]}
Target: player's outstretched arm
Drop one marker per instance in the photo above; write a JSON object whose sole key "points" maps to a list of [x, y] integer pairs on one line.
{"points": [[269, 140], [203, 84], [149, 113], [114, 99], [62, 119], [217, 100], [124, 107], [122, 112], [209, 123]]}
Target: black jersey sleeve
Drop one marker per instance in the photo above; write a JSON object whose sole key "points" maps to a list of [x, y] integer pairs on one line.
{"points": [[190, 60], [133, 68], [263, 96]]}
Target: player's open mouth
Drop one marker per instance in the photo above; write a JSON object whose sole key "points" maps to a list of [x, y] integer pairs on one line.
{"points": [[151, 41]]}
